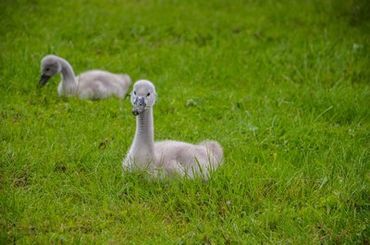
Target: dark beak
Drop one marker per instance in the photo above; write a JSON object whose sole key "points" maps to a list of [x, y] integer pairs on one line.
{"points": [[43, 80], [139, 106], [135, 112]]}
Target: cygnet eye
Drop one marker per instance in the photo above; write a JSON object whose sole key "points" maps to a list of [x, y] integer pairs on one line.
{"points": [[148, 94], [134, 92]]}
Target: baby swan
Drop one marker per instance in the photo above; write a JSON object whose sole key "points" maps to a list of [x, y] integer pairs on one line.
{"points": [[165, 157], [95, 84]]}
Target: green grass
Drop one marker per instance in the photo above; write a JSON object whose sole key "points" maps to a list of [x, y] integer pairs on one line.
{"points": [[284, 86]]}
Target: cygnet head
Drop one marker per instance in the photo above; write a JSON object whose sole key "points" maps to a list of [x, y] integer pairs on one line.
{"points": [[142, 96], [50, 66]]}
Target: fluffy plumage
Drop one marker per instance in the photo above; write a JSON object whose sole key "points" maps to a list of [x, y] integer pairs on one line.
{"points": [[165, 157], [94, 84]]}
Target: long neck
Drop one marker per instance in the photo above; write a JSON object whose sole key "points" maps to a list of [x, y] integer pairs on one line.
{"points": [[144, 135], [68, 76]]}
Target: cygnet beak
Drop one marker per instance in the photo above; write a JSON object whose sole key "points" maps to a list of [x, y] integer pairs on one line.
{"points": [[43, 80], [135, 112], [139, 105]]}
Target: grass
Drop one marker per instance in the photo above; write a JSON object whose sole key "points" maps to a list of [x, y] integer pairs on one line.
{"points": [[282, 85]]}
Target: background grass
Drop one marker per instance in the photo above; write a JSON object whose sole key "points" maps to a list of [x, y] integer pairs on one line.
{"points": [[283, 85]]}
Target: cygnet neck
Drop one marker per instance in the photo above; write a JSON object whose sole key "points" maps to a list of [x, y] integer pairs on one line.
{"points": [[68, 75], [144, 135]]}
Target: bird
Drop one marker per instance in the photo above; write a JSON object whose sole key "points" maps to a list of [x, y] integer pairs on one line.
{"points": [[93, 84], [168, 157]]}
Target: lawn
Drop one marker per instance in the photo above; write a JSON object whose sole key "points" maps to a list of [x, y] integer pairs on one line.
{"points": [[283, 85]]}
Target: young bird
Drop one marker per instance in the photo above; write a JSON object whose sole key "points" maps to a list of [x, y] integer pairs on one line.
{"points": [[94, 84]]}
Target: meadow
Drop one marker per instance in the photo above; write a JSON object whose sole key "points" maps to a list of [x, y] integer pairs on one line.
{"points": [[283, 85]]}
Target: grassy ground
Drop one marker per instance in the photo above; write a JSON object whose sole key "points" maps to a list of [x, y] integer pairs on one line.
{"points": [[283, 85]]}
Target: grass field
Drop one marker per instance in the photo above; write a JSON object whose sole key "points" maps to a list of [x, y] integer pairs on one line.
{"points": [[284, 86]]}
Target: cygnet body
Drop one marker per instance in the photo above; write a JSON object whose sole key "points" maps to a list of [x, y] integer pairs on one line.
{"points": [[165, 157], [94, 84]]}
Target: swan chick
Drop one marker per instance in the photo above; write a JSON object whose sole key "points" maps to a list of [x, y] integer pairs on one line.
{"points": [[93, 84], [166, 157]]}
